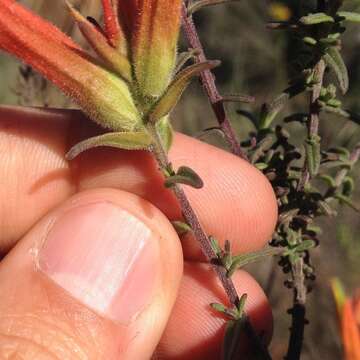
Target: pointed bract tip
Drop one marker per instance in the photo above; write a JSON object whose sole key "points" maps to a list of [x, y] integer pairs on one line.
{"points": [[214, 63]]}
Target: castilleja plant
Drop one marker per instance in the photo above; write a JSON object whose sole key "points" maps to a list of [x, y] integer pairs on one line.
{"points": [[129, 89], [135, 81]]}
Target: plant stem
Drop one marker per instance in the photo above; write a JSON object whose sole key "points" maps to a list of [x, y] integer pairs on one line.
{"points": [[313, 125], [298, 311], [313, 129], [200, 235], [208, 82]]}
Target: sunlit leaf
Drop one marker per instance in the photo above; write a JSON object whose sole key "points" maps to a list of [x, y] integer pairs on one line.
{"points": [[316, 18], [350, 16], [120, 140], [185, 176], [335, 61], [173, 93], [165, 131]]}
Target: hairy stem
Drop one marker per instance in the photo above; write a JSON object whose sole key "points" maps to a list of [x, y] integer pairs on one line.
{"points": [[208, 81], [200, 235], [298, 312]]}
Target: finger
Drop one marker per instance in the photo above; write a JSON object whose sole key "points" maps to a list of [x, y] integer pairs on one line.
{"points": [[236, 203], [95, 279], [194, 330]]}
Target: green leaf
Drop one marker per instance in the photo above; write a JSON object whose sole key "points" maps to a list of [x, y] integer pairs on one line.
{"points": [[215, 245], [313, 155], [347, 201], [309, 40], [187, 176], [227, 257], [184, 57], [219, 307], [335, 61], [261, 166], [348, 186], [232, 339], [316, 18], [305, 245], [181, 227], [166, 132], [240, 261], [173, 93], [329, 180], [350, 16], [270, 111], [120, 140]]}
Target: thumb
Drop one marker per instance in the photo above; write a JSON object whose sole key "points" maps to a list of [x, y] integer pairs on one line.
{"points": [[95, 279]]}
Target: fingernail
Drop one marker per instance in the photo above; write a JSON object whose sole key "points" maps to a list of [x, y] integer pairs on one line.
{"points": [[105, 257]]}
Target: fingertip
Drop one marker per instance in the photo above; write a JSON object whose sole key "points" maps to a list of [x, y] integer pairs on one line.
{"points": [[237, 202], [195, 331], [106, 263]]}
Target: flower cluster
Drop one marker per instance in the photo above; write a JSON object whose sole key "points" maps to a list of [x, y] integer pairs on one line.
{"points": [[131, 81]]}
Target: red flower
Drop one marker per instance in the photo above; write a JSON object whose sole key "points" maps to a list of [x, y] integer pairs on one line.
{"points": [[349, 321], [131, 83]]}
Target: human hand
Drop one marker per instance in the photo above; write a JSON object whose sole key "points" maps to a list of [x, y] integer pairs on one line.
{"points": [[98, 271]]}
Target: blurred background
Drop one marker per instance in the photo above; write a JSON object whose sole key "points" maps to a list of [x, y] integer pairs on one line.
{"points": [[254, 61]]}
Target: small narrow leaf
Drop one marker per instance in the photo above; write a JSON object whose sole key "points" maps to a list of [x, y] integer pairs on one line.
{"points": [[227, 257], [348, 186], [215, 245], [335, 61], [165, 131], [347, 201], [316, 18], [185, 176], [120, 140], [349, 16], [184, 57], [219, 307], [313, 155], [241, 306], [238, 98], [270, 111], [329, 180], [172, 94], [261, 166], [309, 40], [305, 245], [232, 339], [240, 261], [181, 227]]}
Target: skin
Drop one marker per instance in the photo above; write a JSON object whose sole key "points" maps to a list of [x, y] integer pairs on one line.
{"points": [[38, 185]]}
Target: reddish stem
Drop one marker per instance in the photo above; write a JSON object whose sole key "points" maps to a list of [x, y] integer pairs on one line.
{"points": [[208, 82]]}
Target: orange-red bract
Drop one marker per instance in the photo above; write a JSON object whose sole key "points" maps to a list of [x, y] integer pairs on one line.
{"points": [[102, 95]]}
